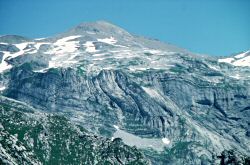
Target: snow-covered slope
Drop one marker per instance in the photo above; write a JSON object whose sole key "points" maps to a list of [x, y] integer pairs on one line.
{"points": [[93, 52], [100, 44], [242, 59]]}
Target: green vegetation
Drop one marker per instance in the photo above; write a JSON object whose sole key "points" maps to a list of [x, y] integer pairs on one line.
{"points": [[30, 136]]}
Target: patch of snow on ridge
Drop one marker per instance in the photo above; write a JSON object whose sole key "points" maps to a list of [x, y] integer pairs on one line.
{"points": [[238, 60], [41, 70], [64, 45], [4, 65], [242, 54], [38, 39], [21, 46], [226, 60], [63, 52], [242, 62], [67, 39], [8, 55], [90, 47], [110, 40]]}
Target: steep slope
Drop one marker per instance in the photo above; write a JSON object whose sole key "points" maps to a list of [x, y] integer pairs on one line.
{"points": [[176, 106], [32, 137]]}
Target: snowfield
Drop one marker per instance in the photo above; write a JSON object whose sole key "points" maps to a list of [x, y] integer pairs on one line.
{"points": [[242, 59]]}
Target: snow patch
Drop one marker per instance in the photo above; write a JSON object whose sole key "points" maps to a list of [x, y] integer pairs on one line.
{"points": [[110, 40], [238, 60], [41, 71], [38, 39], [141, 68], [165, 140], [241, 55], [134, 140], [63, 52], [2, 88], [67, 39], [64, 45], [226, 60], [21, 46], [4, 65], [132, 69], [7, 55], [90, 47], [242, 62]]}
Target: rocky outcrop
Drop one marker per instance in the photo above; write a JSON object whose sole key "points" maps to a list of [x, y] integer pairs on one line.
{"points": [[231, 157], [32, 137]]}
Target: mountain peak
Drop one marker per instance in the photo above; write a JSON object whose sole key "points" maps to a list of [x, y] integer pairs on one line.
{"points": [[98, 23], [98, 27]]}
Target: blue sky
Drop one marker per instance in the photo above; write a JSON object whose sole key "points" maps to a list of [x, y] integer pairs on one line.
{"points": [[215, 27]]}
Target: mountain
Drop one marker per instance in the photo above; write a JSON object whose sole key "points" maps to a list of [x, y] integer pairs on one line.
{"points": [[175, 106]]}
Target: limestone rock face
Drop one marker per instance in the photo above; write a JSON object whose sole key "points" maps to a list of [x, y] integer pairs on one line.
{"points": [[99, 76]]}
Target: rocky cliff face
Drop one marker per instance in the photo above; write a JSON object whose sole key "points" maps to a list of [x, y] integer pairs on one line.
{"points": [[176, 106]]}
